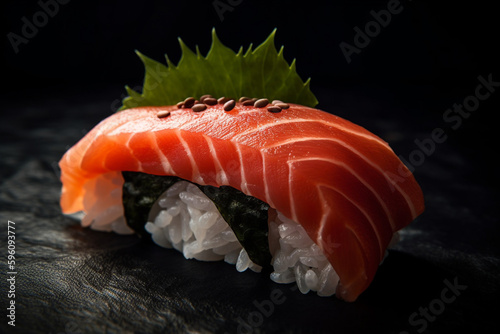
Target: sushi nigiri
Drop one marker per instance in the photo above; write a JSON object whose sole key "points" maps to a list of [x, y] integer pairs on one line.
{"points": [[257, 182]]}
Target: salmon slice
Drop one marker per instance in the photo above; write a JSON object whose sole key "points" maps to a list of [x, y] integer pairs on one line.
{"points": [[342, 183]]}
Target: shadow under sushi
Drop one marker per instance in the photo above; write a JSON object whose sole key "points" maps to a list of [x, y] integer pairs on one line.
{"points": [[213, 296]]}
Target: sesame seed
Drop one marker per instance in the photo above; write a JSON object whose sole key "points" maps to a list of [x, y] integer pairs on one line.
{"points": [[223, 100], [203, 97], [163, 113], [273, 109], [199, 107], [189, 102], [210, 101], [261, 103], [249, 102], [229, 105], [243, 99], [282, 105]]}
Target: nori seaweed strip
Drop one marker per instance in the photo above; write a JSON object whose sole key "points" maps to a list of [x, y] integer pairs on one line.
{"points": [[140, 192], [246, 215]]}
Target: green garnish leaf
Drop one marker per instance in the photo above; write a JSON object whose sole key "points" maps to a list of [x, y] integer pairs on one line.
{"points": [[260, 73]]}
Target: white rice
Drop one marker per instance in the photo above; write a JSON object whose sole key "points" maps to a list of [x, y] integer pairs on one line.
{"points": [[189, 222], [185, 219]]}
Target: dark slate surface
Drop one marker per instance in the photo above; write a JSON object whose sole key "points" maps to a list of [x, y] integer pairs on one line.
{"points": [[442, 277]]}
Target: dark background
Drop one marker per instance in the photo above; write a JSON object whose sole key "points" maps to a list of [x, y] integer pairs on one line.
{"points": [[426, 59], [91, 43], [72, 74]]}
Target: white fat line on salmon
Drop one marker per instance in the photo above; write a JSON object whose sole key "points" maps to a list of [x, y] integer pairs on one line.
{"points": [[122, 122], [363, 212], [266, 186], [326, 210], [363, 182], [290, 121], [362, 274], [290, 192], [167, 166], [360, 178], [188, 120], [243, 185], [127, 145], [221, 176], [396, 186], [195, 176], [393, 185], [327, 246]]}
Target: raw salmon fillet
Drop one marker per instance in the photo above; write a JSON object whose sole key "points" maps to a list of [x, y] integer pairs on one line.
{"points": [[342, 183]]}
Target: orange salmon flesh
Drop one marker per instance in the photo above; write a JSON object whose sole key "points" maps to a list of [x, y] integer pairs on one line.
{"points": [[342, 183]]}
